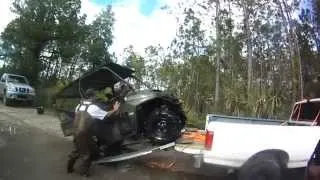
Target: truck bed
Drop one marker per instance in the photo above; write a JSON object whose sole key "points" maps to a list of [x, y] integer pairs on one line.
{"points": [[236, 139], [248, 120]]}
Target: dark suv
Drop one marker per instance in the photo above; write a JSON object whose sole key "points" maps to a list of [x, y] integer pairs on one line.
{"points": [[145, 114]]}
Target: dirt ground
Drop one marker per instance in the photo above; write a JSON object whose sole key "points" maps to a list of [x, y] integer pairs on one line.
{"points": [[32, 147]]}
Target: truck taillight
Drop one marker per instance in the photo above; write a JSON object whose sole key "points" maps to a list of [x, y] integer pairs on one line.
{"points": [[209, 140]]}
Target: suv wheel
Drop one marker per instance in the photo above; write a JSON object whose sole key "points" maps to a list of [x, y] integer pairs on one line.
{"points": [[163, 125]]}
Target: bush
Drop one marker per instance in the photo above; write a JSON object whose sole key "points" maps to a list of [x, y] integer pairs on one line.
{"points": [[45, 94], [195, 120]]}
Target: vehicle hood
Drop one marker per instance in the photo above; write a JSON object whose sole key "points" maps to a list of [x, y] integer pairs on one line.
{"points": [[20, 85], [147, 94], [97, 79]]}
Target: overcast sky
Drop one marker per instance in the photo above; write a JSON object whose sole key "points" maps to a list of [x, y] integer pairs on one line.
{"points": [[138, 22]]}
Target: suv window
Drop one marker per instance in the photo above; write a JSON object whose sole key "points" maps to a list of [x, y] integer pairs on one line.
{"points": [[17, 79], [135, 83]]}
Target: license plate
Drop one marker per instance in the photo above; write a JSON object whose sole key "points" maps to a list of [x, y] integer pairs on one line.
{"points": [[22, 96]]}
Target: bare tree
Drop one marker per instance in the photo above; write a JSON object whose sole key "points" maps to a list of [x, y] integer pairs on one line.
{"points": [[217, 88], [294, 52], [247, 32]]}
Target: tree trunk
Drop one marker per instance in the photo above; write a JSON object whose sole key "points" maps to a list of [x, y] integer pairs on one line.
{"points": [[249, 43], [296, 48], [294, 52], [34, 70], [217, 88], [72, 68]]}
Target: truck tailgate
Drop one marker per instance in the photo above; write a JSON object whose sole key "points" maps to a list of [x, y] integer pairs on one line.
{"points": [[191, 142]]}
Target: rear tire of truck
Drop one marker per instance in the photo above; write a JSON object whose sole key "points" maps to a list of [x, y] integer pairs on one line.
{"points": [[261, 168]]}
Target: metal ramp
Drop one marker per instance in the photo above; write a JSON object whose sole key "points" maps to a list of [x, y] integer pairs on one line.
{"points": [[136, 154]]}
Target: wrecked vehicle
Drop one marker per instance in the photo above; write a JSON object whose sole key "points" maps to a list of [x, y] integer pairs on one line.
{"points": [[146, 115]]}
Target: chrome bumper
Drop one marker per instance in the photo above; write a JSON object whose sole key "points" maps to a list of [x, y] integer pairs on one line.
{"points": [[20, 96]]}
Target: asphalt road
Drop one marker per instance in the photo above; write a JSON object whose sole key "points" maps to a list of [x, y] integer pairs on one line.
{"points": [[32, 147]]}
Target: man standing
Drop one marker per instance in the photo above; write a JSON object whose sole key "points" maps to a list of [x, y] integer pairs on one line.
{"points": [[84, 126]]}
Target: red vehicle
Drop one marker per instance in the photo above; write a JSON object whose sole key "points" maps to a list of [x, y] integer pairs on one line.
{"points": [[307, 110]]}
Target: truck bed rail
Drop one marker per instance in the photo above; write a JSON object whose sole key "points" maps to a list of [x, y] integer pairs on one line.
{"points": [[249, 120]]}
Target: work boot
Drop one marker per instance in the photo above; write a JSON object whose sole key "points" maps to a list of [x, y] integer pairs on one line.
{"points": [[72, 160], [85, 167], [70, 165], [84, 173]]}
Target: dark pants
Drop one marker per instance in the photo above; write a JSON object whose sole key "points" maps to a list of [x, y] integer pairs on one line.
{"points": [[108, 134], [86, 148], [107, 131]]}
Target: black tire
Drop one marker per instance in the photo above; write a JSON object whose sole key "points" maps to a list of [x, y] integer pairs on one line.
{"points": [[163, 125], [40, 110], [261, 168]]}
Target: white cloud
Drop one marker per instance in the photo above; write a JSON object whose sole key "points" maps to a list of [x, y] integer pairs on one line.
{"points": [[6, 14], [133, 28], [91, 9], [87, 7]]}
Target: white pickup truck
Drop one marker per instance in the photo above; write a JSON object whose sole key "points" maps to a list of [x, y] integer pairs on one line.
{"points": [[259, 148]]}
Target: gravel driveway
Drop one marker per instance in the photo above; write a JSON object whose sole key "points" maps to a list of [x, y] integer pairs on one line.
{"points": [[32, 147]]}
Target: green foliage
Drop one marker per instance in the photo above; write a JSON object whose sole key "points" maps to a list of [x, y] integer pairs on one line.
{"points": [[50, 40], [46, 92], [100, 38], [37, 25], [51, 44], [188, 68], [135, 62]]}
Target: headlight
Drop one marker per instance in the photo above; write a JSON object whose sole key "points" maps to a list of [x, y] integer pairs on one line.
{"points": [[11, 88]]}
